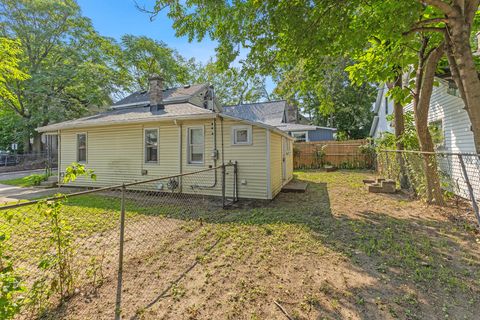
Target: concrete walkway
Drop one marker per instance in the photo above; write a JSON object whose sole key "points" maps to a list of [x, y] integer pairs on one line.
{"points": [[14, 194]]}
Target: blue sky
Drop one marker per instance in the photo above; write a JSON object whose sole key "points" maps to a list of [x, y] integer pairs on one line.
{"points": [[114, 18]]}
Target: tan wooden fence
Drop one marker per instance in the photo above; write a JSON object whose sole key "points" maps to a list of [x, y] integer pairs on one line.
{"points": [[340, 154]]}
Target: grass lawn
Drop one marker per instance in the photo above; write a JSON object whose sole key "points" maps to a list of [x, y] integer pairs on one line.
{"points": [[334, 252], [28, 181]]}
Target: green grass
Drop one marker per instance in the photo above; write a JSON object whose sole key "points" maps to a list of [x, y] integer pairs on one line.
{"points": [[425, 254], [28, 181]]}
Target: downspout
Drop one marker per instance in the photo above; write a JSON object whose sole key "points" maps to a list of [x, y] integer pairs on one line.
{"points": [[214, 156], [59, 164], [180, 152]]}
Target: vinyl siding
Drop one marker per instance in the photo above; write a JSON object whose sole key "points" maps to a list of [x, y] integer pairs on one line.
{"points": [[116, 153], [320, 135], [275, 163], [276, 175], [457, 134]]}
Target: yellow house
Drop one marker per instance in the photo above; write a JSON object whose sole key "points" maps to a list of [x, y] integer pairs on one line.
{"points": [[167, 132]]}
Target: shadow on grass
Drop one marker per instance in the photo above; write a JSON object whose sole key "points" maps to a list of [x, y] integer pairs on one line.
{"points": [[419, 264]]}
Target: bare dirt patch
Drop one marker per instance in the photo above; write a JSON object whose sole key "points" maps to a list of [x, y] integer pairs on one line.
{"points": [[334, 252]]}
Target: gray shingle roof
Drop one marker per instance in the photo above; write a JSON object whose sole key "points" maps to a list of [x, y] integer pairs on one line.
{"points": [[270, 112], [300, 127], [169, 95], [139, 113]]}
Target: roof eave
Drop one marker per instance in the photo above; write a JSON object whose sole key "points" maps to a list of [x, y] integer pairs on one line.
{"points": [[56, 127]]}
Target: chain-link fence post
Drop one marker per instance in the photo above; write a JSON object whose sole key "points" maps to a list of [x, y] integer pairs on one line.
{"points": [[235, 181], [118, 302], [223, 186], [470, 189]]}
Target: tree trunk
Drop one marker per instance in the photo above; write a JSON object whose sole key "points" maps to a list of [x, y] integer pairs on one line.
{"points": [[466, 77], [37, 143], [399, 124], [421, 105]]}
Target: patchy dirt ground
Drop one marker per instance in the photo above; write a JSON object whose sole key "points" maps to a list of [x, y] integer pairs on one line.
{"points": [[335, 252]]}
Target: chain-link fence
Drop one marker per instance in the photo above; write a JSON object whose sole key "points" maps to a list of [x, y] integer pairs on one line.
{"points": [[18, 162], [459, 173], [107, 252]]}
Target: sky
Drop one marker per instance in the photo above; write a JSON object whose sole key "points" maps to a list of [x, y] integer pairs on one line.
{"points": [[114, 18]]}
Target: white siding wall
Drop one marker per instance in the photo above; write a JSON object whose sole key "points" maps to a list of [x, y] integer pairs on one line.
{"points": [[458, 137]]}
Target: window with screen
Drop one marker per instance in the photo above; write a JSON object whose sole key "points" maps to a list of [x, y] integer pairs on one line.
{"points": [[195, 145], [82, 147], [151, 145]]}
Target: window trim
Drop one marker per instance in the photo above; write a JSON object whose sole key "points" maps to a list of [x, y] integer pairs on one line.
{"points": [[189, 153], [86, 147], [299, 132], [234, 135], [145, 146]]}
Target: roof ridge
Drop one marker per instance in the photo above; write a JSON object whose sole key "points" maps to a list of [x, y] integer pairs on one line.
{"points": [[249, 104]]}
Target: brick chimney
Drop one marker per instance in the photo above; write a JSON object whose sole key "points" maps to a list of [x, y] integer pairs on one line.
{"points": [[156, 92]]}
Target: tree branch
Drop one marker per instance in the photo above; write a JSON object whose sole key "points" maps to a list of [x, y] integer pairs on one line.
{"points": [[433, 20], [424, 29], [439, 4]]}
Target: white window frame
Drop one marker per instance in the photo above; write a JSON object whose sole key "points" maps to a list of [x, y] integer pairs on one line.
{"points": [[86, 147], [189, 145], [300, 132], [145, 145], [234, 135]]}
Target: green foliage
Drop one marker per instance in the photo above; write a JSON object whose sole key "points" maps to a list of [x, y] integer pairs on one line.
{"points": [[10, 51], [409, 138], [34, 179], [76, 170], [232, 86], [328, 96], [11, 285], [142, 57]]}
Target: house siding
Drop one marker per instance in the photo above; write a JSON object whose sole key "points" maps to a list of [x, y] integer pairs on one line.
{"points": [[116, 154], [458, 137], [320, 135], [275, 163]]}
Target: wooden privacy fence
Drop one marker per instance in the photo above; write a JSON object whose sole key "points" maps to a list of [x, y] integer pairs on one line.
{"points": [[340, 154]]}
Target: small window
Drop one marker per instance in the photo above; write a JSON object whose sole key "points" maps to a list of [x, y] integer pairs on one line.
{"points": [[300, 136], [82, 147], [241, 135], [151, 145], [195, 145]]}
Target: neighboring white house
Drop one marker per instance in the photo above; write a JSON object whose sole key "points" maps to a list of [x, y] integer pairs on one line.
{"points": [[446, 112], [448, 115]]}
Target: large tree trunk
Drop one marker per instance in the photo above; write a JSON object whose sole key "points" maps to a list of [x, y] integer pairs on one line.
{"points": [[421, 105], [399, 124], [465, 74]]}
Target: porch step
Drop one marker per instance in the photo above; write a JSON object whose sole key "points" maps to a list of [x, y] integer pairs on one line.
{"points": [[53, 178], [295, 186]]}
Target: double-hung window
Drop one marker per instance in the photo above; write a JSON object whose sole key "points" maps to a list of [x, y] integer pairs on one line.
{"points": [[241, 135], [151, 145], [81, 147], [195, 145]]}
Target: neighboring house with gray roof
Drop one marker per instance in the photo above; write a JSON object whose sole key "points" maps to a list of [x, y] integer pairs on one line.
{"points": [[165, 132], [283, 116]]}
